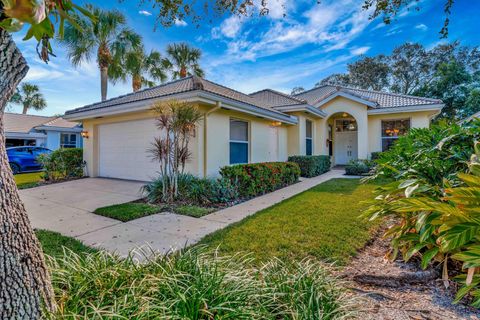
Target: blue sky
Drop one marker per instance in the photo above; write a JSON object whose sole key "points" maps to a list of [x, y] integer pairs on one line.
{"points": [[250, 54]]}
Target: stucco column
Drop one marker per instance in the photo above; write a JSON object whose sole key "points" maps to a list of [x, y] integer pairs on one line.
{"points": [[362, 134]]}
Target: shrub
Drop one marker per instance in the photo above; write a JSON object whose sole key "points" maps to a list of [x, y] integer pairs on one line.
{"points": [[375, 155], [201, 191], [430, 154], [311, 166], [193, 284], [62, 164], [359, 167], [434, 201], [259, 178]]}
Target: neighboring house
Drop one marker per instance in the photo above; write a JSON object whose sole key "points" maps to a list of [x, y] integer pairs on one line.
{"points": [[240, 128], [50, 132]]}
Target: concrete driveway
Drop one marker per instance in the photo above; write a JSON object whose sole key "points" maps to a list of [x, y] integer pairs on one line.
{"points": [[67, 207]]}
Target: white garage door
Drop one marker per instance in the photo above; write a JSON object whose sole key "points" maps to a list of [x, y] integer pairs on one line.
{"points": [[122, 150]]}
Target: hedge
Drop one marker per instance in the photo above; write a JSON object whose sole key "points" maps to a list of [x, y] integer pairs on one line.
{"points": [[63, 164], [259, 178], [359, 167], [312, 166]]}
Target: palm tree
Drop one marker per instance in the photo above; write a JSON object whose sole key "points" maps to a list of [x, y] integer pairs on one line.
{"points": [[184, 59], [30, 97], [143, 68], [106, 36]]}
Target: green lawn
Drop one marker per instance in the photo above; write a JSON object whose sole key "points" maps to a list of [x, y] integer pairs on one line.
{"points": [[321, 222], [53, 243], [128, 211], [193, 211], [28, 180]]}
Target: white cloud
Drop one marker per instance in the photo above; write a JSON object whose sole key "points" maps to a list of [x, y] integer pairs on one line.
{"points": [[330, 24], [359, 51], [269, 75], [42, 73], [421, 27], [180, 23], [230, 27], [145, 13]]}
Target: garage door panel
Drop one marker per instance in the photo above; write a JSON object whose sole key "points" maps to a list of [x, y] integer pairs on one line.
{"points": [[122, 149]]}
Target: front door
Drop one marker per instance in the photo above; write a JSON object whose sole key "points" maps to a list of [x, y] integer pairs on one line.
{"points": [[345, 141]]}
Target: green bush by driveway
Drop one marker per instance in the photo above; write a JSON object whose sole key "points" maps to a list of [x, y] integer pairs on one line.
{"points": [[311, 166], [259, 178], [322, 222]]}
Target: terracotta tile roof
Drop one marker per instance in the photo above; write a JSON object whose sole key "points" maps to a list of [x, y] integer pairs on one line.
{"points": [[274, 98], [188, 84], [61, 123], [382, 99], [24, 123]]}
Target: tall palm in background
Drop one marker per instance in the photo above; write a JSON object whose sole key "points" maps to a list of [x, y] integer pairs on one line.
{"points": [[106, 37], [143, 69], [184, 59], [30, 97]]}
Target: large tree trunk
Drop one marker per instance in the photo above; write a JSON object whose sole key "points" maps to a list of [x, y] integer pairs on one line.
{"points": [[25, 109], [104, 82], [24, 279]]}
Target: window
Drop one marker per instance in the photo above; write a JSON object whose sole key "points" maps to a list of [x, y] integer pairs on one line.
{"points": [[391, 130], [345, 125], [68, 140], [238, 141], [308, 138]]}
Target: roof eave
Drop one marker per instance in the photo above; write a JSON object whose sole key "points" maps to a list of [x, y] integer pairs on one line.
{"points": [[304, 108], [197, 95], [62, 129], [414, 108], [347, 96]]}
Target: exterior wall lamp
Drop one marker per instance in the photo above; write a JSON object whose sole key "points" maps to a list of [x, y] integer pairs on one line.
{"points": [[84, 134], [276, 124]]}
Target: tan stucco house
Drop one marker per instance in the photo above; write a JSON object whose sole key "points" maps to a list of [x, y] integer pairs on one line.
{"points": [[264, 126]]}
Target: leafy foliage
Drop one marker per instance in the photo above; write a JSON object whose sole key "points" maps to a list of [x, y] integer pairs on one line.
{"points": [[143, 68], [311, 166], [193, 284], [359, 167], [449, 72], [30, 97], [176, 120], [62, 164], [435, 199], [259, 178], [200, 191], [184, 60]]}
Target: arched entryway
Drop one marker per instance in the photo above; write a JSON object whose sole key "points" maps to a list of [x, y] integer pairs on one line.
{"points": [[343, 129]]}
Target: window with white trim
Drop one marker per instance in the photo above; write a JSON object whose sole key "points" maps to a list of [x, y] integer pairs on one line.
{"points": [[68, 140], [308, 138], [238, 141], [392, 130]]}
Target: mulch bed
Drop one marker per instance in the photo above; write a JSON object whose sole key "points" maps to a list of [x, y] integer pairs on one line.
{"points": [[399, 290]]}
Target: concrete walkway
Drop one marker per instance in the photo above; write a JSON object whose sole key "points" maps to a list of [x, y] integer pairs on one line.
{"points": [[67, 207]]}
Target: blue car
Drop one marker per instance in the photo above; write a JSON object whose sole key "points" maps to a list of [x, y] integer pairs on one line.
{"points": [[24, 159]]}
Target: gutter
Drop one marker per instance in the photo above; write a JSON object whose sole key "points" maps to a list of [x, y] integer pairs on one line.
{"points": [[60, 129], [415, 108]]}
